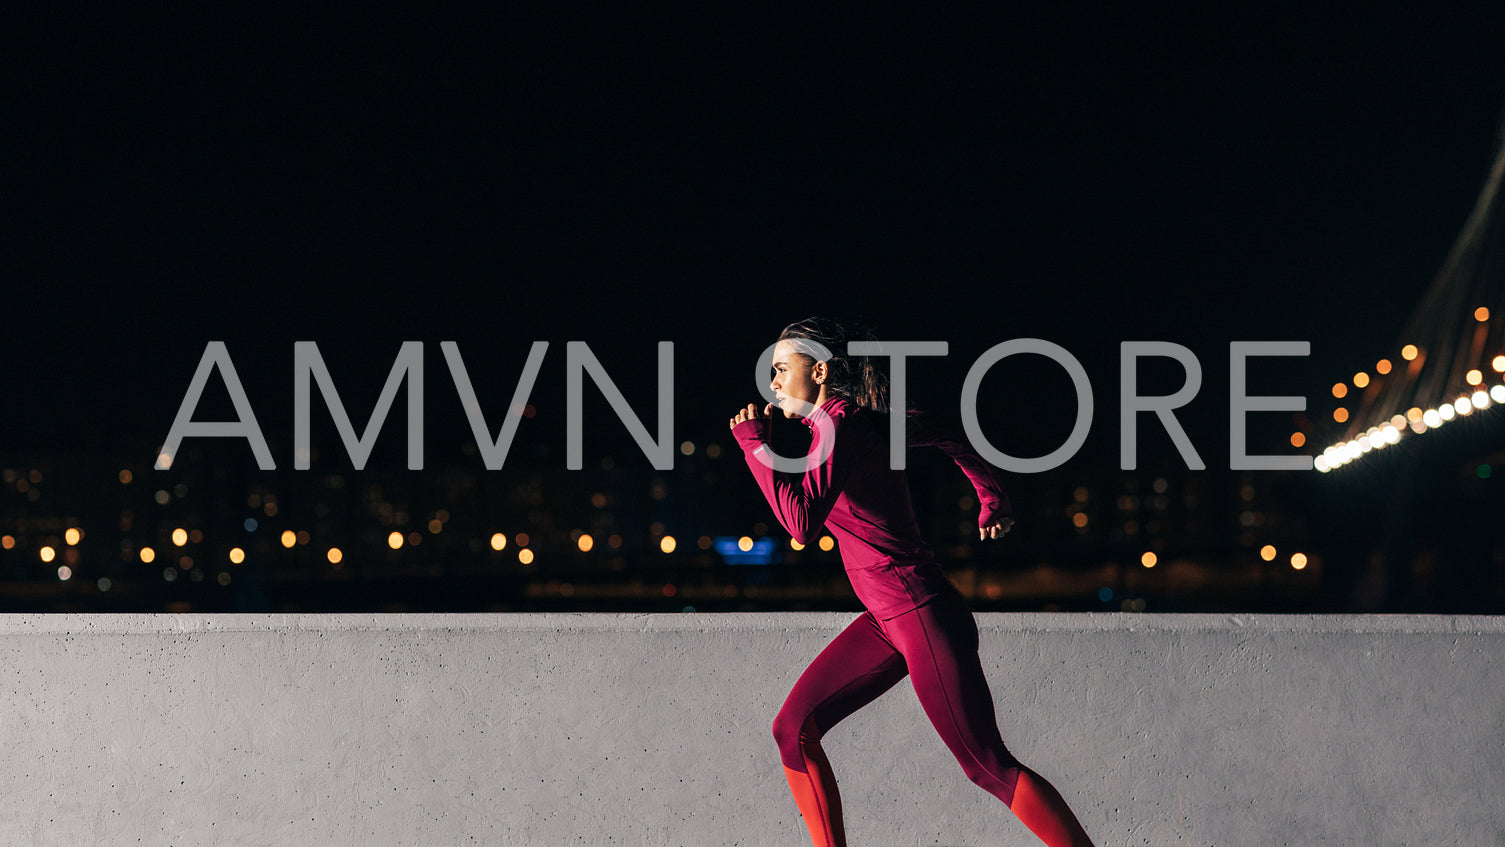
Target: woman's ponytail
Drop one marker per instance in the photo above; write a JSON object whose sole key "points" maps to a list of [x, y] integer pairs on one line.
{"points": [[857, 378], [874, 392]]}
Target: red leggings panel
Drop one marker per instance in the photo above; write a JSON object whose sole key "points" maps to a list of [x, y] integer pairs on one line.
{"points": [[936, 646]]}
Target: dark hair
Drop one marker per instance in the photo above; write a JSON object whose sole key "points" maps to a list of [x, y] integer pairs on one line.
{"points": [[855, 378]]}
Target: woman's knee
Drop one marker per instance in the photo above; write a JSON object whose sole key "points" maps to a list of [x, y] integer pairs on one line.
{"points": [[996, 772], [791, 730], [790, 724]]}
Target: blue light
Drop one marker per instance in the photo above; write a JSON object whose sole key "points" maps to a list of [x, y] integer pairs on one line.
{"points": [[250, 524], [762, 552], [1105, 594]]}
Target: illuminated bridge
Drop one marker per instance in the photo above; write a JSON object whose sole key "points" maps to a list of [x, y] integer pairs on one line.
{"points": [[1449, 361]]}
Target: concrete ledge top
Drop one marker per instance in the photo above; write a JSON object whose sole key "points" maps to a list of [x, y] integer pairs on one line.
{"points": [[125, 624], [646, 729]]}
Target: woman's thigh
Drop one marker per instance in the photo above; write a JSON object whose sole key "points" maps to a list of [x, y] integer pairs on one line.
{"points": [[939, 643], [857, 667]]}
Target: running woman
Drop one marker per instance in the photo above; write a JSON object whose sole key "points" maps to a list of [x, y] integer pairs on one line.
{"points": [[916, 624]]}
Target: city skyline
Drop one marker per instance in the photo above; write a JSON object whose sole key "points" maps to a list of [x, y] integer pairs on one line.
{"points": [[360, 187]]}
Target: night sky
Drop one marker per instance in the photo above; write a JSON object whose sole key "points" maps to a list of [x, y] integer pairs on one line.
{"points": [[363, 178]]}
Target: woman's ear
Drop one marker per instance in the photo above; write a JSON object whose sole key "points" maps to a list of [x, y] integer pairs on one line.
{"points": [[818, 372]]}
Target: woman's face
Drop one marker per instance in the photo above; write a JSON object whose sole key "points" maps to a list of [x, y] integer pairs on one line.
{"points": [[795, 377]]}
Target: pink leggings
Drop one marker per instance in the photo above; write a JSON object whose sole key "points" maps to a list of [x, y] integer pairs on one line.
{"points": [[935, 645]]}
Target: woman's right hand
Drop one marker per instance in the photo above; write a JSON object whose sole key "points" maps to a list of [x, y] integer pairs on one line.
{"points": [[995, 529]]}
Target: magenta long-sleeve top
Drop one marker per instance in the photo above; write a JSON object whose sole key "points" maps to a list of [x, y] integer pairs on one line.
{"points": [[865, 503]]}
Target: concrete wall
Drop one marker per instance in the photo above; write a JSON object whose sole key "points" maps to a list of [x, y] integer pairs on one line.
{"points": [[653, 730]]}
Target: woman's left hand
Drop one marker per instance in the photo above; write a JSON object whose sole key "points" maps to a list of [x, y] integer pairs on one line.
{"points": [[751, 414], [996, 529]]}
